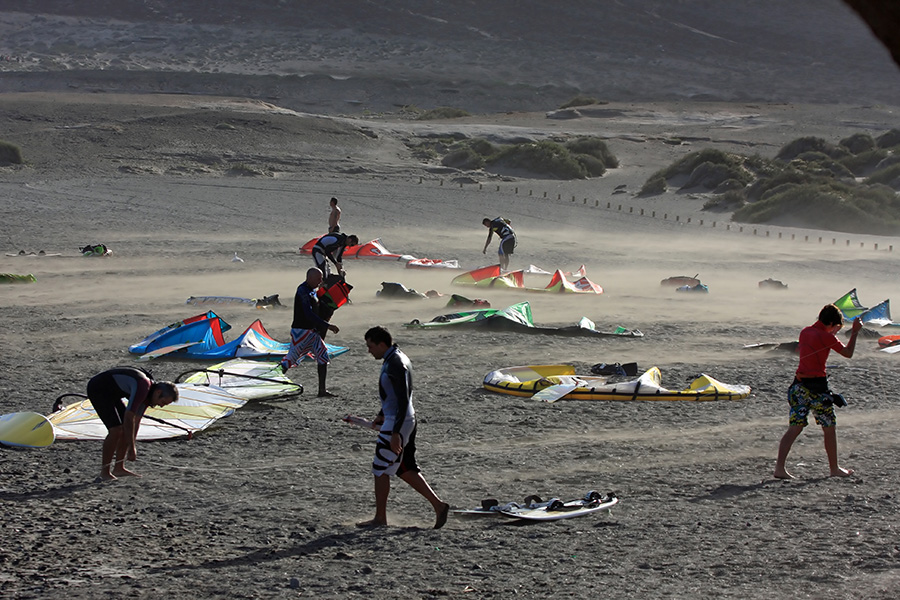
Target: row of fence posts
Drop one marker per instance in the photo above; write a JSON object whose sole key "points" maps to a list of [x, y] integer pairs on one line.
{"points": [[728, 226]]}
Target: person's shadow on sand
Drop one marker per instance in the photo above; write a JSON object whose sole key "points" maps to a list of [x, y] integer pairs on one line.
{"points": [[266, 554], [729, 490]]}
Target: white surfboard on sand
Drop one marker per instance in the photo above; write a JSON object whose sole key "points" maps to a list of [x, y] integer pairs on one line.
{"points": [[556, 510], [555, 392], [26, 430]]}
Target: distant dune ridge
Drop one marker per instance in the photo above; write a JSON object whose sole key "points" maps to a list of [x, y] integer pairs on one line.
{"points": [[348, 56]]}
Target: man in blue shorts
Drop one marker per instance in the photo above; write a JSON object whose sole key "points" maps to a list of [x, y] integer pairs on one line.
{"points": [[305, 336], [809, 390], [106, 391], [395, 449], [507, 236]]}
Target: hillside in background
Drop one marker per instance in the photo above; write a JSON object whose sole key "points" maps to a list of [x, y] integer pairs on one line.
{"points": [[351, 56]]}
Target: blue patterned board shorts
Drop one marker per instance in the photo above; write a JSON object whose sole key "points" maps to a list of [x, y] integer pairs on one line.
{"points": [[802, 401]]}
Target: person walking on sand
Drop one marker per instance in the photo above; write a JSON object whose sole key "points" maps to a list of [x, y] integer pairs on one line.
{"points": [[106, 391], [395, 448], [334, 217], [809, 390], [305, 337], [330, 247], [507, 236]]}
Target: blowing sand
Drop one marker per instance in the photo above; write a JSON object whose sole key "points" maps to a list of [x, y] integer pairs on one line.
{"points": [[264, 504]]}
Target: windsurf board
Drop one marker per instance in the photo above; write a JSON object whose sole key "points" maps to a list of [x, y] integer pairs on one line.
{"points": [[491, 506], [26, 430], [556, 509]]}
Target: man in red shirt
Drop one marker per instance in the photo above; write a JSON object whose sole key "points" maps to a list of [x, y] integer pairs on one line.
{"points": [[809, 390]]}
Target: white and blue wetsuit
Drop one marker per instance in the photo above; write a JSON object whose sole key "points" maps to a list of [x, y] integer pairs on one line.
{"points": [[395, 388], [506, 234], [329, 247]]}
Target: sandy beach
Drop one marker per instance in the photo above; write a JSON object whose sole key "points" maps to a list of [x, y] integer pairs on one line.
{"points": [[264, 504]]}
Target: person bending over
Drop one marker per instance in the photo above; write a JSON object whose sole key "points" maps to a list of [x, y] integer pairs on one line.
{"points": [[507, 237], [106, 391], [330, 247]]}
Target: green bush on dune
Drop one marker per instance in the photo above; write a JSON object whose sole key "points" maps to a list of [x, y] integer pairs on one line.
{"points": [[828, 205], [543, 157], [810, 183], [10, 154], [578, 158]]}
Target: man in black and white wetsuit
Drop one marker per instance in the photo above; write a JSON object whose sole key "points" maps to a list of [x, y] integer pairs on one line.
{"points": [[330, 247], [507, 236], [395, 450]]}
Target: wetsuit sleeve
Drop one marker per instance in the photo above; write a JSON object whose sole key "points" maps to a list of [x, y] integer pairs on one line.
{"points": [[310, 313], [397, 376], [137, 387]]}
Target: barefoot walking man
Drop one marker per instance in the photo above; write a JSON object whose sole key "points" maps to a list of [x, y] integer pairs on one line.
{"points": [[106, 391], [395, 450], [809, 390]]}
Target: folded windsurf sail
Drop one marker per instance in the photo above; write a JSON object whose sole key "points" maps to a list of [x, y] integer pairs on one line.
{"points": [[542, 381], [16, 278], [198, 407], [200, 335], [202, 339], [143, 346], [517, 318], [491, 276], [248, 379], [371, 250], [432, 263]]}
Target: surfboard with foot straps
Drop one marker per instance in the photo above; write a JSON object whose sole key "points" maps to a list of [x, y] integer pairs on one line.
{"points": [[555, 509]]}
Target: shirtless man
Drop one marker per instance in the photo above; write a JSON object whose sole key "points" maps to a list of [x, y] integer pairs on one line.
{"points": [[334, 217], [106, 391]]}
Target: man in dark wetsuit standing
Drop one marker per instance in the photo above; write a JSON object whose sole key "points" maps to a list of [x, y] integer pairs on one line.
{"points": [[507, 237], [395, 449], [106, 391], [330, 247], [305, 336]]}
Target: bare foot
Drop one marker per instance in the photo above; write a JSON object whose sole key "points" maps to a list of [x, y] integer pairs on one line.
{"points": [[107, 476], [442, 516], [783, 475], [326, 394], [841, 472], [371, 524], [123, 472]]}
